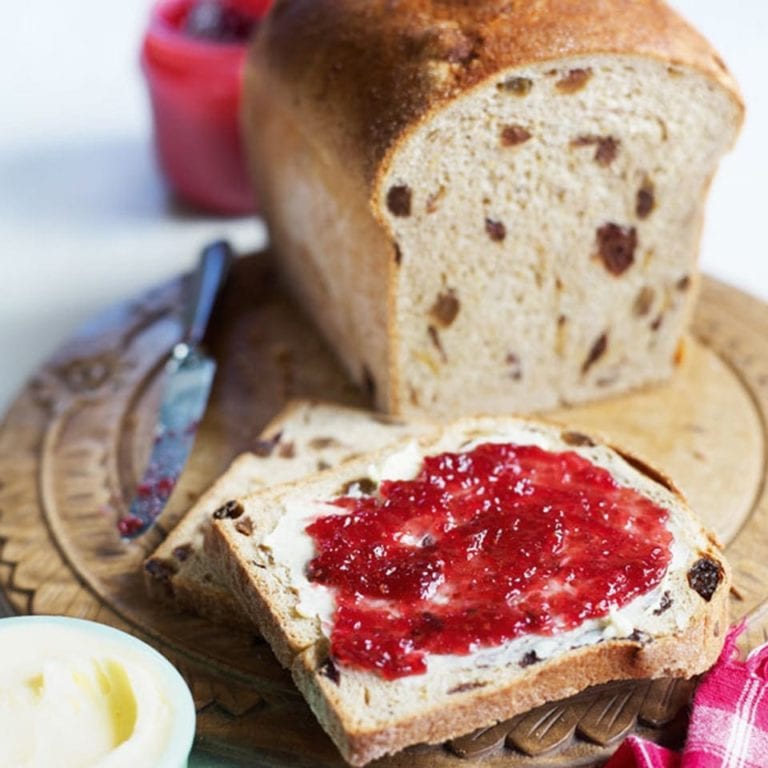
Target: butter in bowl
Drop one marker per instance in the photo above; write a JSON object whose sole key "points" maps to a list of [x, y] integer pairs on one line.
{"points": [[79, 693]]}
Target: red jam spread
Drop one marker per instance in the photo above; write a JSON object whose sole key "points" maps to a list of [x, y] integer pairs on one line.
{"points": [[481, 548]]}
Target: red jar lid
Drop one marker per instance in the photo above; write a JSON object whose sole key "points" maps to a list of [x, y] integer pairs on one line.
{"points": [[194, 71]]}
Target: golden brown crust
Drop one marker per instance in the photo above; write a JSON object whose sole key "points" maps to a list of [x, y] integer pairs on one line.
{"points": [[362, 72], [309, 196]]}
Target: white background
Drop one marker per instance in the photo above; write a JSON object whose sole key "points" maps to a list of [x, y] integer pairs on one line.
{"points": [[85, 219]]}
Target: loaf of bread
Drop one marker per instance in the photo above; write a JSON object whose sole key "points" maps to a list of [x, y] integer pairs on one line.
{"points": [[489, 206], [304, 438], [672, 626]]}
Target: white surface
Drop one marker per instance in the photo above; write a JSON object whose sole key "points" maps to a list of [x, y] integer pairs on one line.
{"points": [[85, 220]]}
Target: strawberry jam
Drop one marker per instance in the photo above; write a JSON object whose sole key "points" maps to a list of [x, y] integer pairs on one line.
{"points": [[480, 548]]}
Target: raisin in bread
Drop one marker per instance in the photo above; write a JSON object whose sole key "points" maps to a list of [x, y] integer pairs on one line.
{"points": [[488, 206], [304, 438], [674, 628]]}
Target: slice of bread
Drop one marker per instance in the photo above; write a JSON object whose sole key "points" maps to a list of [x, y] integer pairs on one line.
{"points": [[304, 438], [488, 206], [262, 551]]}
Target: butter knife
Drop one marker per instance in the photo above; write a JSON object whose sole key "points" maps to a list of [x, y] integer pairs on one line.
{"points": [[189, 376]]}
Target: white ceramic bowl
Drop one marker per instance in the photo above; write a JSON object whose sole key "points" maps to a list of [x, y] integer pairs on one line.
{"points": [[156, 685]]}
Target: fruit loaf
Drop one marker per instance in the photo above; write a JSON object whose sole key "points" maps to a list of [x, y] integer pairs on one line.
{"points": [[304, 438], [523, 564], [488, 206]]}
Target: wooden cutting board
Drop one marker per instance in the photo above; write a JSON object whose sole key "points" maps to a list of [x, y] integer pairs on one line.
{"points": [[73, 443]]}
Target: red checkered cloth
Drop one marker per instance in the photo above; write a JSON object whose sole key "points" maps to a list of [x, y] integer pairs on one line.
{"points": [[729, 719]]}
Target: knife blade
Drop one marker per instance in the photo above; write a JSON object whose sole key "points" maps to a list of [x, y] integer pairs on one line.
{"points": [[189, 374]]}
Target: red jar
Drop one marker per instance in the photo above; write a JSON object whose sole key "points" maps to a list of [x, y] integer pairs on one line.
{"points": [[194, 85]]}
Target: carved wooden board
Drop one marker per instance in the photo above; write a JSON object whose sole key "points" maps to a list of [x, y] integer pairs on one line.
{"points": [[73, 444]]}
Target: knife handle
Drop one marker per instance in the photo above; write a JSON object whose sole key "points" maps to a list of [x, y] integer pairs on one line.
{"points": [[211, 272]]}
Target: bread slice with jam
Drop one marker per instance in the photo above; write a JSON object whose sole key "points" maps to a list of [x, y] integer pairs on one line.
{"points": [[454, 581]]}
